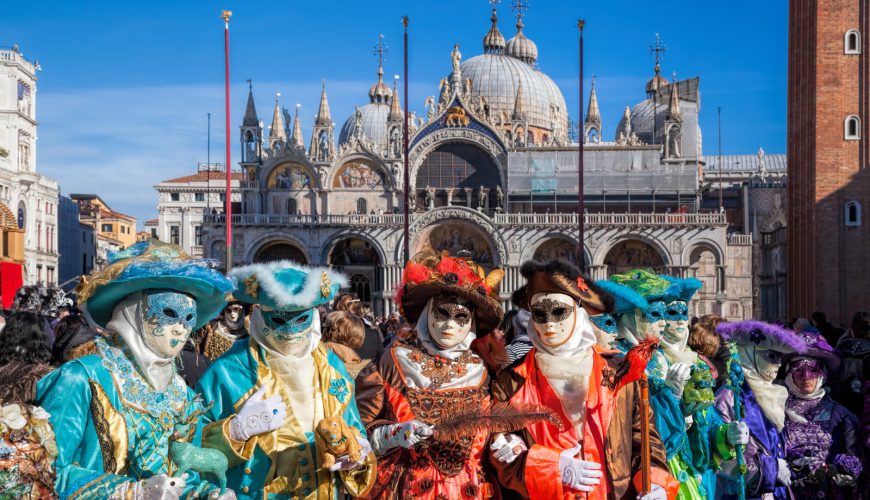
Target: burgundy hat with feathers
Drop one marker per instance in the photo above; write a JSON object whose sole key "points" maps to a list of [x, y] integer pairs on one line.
{"points": [[761, 334]]}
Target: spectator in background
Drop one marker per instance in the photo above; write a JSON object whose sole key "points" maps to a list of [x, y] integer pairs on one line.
{"points": [[704, 340], [516, 336], [855, 347], [831, 333], [73, 339], [24, 357], [373, 344], [344, 334]]}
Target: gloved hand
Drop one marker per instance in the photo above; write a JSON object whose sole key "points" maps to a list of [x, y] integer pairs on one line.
{"points": [[783, 473], [677, 376], [507, 447], [656, 492], [737, 433], [258, 416], [844, 480], [343, 462], [215, 494], [578, 474], [160, 487], [402, 434]]}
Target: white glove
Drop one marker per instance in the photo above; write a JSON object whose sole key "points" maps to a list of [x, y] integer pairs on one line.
{"points": [[258, 416], [343, 462], [160, 487], [677, 376], [783, 473], [402, 434], [656, 492], [844, 480], [737, 433], [506, 448], [578, 474], [216, 495]]}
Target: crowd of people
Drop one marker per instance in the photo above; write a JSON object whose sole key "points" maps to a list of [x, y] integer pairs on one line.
{"points": [[167, 379]]}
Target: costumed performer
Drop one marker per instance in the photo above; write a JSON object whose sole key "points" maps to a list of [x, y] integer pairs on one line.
{"points": [[422, 379], [271, 390], [821, 435], [115, 412], [598, 449], [760, 348], [218, 335]]}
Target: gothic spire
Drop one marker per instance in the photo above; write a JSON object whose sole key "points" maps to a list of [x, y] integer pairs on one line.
{"points": [[674, 104], [324, 119], [395, 108], [593, 115], [519, 105], [250, 119], [276, 132], [296, 139]]}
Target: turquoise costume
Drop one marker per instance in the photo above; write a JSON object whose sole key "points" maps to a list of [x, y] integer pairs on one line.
{"points": [[285, 359], [690, 452], [113, 426]]}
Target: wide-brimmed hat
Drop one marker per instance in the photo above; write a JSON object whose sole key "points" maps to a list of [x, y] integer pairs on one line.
{"points": [[625, 299], [684, 289], [557, 276], [764, 335], [287, 286], [152, 264], [818, 348], [429, 274]]}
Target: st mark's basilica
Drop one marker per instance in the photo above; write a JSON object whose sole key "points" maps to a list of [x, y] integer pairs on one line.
{"points": [[494, 173]]}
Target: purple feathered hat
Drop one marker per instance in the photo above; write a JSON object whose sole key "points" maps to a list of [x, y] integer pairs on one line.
{"points": [[818, 348], [764, 335]]}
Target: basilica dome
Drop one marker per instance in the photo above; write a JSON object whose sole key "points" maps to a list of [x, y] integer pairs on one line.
{"points": [[644, 117], [497, 77], [372, 124]]}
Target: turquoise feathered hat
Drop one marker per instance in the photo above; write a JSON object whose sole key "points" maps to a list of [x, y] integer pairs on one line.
{"points": [[152, 264], [286, 286], [686, 288], [624, 298]]}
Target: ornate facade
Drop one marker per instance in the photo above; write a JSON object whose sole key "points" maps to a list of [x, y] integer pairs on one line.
{"points": [[493, 175]]}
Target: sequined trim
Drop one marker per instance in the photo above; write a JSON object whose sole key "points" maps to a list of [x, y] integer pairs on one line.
{"points": [[437, 369]]}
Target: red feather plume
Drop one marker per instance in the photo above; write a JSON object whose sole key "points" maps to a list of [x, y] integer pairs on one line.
{"points": [[636, 360]]}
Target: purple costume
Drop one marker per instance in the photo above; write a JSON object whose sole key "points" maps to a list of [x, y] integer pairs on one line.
{"points": [[761, 454]]}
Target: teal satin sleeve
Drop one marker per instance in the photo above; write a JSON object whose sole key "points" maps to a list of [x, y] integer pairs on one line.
{"points": [[669, 419], [66, 395], [351, 413]]}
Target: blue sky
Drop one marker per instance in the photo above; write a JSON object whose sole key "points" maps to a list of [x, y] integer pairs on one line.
{"points": [[125, 86]]}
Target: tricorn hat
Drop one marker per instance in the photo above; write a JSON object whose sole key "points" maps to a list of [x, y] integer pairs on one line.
{"points": [[429, 274], [286, 286], [559, 276]]}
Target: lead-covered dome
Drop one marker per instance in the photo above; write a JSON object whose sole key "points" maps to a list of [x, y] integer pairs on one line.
{"points": [[372, 124], [497, 77]]}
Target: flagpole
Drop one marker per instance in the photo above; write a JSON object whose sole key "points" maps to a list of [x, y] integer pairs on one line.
{"points": [[406, 175], [228, 211], [580, 213]]}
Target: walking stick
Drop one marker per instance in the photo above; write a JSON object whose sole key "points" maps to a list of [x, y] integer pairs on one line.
{"points": [[633, 368], [735, 383]]}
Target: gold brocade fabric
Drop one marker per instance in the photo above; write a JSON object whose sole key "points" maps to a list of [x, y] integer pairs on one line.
{"points": [[111, 431]]}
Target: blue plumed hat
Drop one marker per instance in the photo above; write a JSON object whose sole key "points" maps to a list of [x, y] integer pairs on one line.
{"points": [[684, 288], [152, 264], [624, 298], [286, 286]]}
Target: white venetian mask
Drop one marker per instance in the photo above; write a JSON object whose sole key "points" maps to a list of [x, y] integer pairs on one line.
{"points": [[449, 320], [554, 316]]}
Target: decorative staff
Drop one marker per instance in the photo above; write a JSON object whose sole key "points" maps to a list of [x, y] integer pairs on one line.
{"points": [[735, 383]]}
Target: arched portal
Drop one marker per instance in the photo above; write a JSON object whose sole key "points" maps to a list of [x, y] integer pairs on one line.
{"points": [[459, 239], [280, 250], [359, 260], [707, 269], [558, 249], [457, 166], [633, 254]]}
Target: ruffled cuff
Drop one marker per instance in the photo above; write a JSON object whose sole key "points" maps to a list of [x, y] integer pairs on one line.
{"points": [[848, 464]]}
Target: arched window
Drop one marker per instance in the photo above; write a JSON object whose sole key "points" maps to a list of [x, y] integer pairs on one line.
{"points": [[592, 136], [853, 213], [853, 42], [361, 206], [292, 207], [852, 128]]}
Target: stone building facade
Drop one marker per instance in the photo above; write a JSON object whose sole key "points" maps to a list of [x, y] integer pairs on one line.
{"points": [[30, 196], [828, 158]]}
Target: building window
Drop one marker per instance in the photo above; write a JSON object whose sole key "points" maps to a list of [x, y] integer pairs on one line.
{"points": [[106, 228], [174, 235], [154, 232], [174, 196], [852, 128], [197, 231], [853, 42], [223, 197], [853, 213], [50, 278], [292, 207], [199, 196], [361, 206]]}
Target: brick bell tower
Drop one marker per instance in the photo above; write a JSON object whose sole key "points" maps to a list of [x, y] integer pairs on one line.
{"points": [[828, 158]]}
